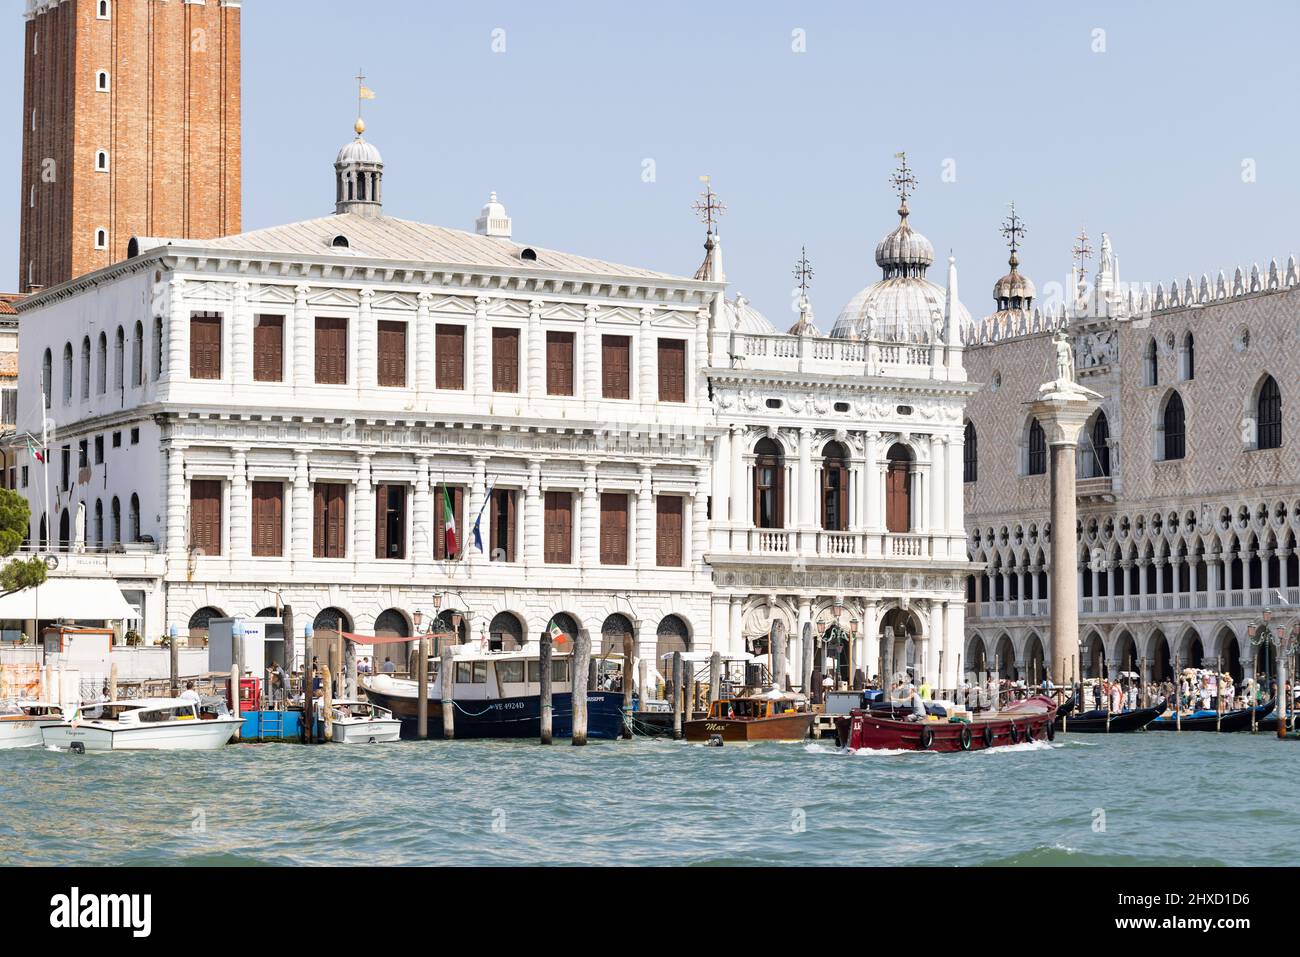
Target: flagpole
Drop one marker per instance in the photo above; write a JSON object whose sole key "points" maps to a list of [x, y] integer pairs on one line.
{"points": [[45, 465]]}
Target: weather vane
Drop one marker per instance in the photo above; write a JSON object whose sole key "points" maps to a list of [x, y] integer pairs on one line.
{"points": [[803, 271], [708, 207], [1013, 229], [363, 93], [903, 181], [1082, 252]]}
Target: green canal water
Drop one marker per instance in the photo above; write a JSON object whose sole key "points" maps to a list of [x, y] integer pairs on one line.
{"points": [[1155, 798]]}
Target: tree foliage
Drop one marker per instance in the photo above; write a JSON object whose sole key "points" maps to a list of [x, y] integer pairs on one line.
{"points": [[22, 573], [15, 516]]}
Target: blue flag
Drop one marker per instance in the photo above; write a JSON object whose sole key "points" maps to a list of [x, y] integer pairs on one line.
{"points": [[478, 535]]}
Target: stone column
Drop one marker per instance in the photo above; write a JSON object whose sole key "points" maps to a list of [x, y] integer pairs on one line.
{"points": [[481, 374], [870, 662], [874, 518], [699, 520], [937, 521], [241, 336], [645, 520], [178, 337], [477, 497], [739, 478], [804, 483], [423, 343], [300, 363], [735, 640], [938, 638], [533, 531], [362, 546], [300, 507], [647, 360], [805, 616], [589, 521], [588, 385], [1062, 409], [955, 486], [955, 619], [177, 530], [367, 342], [422, 505], [536, 385], [240, 527]]}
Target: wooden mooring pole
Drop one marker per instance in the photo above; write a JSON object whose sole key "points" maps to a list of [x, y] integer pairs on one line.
{"points": [[544, 687], [234, 698], [308, 677], [174, 665], [629, 646], [578, 695], [421, 693], [447, 677], [715, 679], [327, 702], [678, 695]]}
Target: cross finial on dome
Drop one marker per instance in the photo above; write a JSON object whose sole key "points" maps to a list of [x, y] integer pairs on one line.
{"points": [[1013, 229], [363, 93], [1082, 252], [903, 181], [708, 207], [803, 271]]}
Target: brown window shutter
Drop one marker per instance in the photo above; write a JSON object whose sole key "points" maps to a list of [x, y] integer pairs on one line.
{"points": [[558, 543], [613, 528], [205, 515], [616, 367], [502, 525], [381, 521], [898, 498], [392, 353], [329, 517], [672, 370], [559, 363], [268, 519], [205, 345], [668, 530], [331, 350], [505, 360], [450, 350], [268, 348], [319, 520]]}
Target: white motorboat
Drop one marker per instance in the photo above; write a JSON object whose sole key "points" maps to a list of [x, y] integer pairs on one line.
{"points": [[146, 724], [363, 722], [21, 722]]}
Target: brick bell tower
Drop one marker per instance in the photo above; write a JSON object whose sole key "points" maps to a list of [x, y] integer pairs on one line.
{"points": [[131, 112]]}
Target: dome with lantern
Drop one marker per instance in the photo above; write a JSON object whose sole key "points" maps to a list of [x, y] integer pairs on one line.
{"points": [[903, 306]]}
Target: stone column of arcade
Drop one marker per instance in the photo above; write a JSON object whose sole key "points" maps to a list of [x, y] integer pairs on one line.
{"points": [[1062, 409]]}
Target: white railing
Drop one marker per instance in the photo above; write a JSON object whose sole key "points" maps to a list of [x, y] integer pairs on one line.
{"points": [[839, 543], [842, 356]]}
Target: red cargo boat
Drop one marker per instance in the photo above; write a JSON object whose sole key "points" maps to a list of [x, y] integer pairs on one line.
{"points": [[1019, 722]]}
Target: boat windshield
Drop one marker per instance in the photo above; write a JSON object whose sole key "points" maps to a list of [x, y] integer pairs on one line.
{"points": [[182, 712]]}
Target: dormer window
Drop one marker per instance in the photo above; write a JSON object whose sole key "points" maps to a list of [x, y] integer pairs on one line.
{"points": [[528, 254], [339, 242]]}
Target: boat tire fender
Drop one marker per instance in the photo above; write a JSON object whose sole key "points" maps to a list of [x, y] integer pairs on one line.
{"points": [[927, 739], [1015, 733], [1029, 732], [964, 737], [988, 736]]}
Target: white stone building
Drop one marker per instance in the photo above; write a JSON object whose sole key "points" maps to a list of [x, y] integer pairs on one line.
{"points": [[282, 416], [1188, 481]]}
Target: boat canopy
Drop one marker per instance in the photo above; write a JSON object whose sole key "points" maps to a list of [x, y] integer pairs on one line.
{"points": [[703, 656], [77, 599]]}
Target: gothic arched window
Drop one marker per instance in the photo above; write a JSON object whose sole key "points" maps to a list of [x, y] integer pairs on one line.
{"points": [[1037, 464], [1174, 426], [1268, 415], [970, 454]]}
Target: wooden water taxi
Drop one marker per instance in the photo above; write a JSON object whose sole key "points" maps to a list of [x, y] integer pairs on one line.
{"points": [[1017, 723], [770, 717], [21, 722]]}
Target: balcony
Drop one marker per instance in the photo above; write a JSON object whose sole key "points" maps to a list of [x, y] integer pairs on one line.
{"points": [[818, 543]]}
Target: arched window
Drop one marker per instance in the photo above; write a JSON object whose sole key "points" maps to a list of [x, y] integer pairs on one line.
{"points": [[1150, 367], [898, 489], [85, 368], [47, 377], [137, 355], [65, 530], [835, 487], [102, 364], [99, 524], [119, 356], [101, 161], [115, 522], [671, 635], [101, 238], [1037, 463], [157, 348], [1096, 454], [1174, 428], [133, 525], [970, 454], [769, 485], [505, 633], [1187, 357], [67, 372], [1268, 415]]}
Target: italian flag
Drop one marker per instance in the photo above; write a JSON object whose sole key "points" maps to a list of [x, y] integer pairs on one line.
{"points": [[35, 453], [556, 634], [449, 522]]}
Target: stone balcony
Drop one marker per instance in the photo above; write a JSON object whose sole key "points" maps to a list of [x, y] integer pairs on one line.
{"points": [[855, 357], [818, 543]]}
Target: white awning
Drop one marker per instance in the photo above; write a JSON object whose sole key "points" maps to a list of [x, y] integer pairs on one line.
{"points": [[79, 599]]}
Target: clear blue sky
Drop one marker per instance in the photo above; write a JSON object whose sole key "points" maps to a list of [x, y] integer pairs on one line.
{"points": [[1145, 140]]}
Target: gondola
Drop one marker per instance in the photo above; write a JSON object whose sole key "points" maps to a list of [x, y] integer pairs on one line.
{"points": [[1095, 722], [1238, 720]]}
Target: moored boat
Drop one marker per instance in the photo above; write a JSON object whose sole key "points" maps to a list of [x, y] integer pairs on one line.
{"points": [[1020, 722], [363, 722], [1238, 719], [497, 694], [1105, 722], [21, 722], [774, 716], [146, 724]]}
